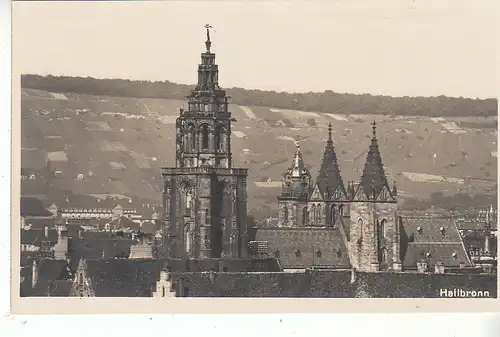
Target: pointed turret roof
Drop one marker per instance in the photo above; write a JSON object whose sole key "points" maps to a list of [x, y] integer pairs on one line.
{"points": [[374, 179], [297, 178], [329, 178], [298, 167]]}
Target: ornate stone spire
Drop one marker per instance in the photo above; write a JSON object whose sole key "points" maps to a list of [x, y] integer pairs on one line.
{"points": [[329, 178], [373, 179], [208, 71], [298, 167], [208, 43]]}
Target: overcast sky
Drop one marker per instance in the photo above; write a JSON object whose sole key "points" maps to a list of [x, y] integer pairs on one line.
{"points": [[393, 47]]}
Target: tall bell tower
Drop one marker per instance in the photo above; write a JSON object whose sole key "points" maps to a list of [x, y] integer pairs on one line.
{"points": [[204, 197], [204, 130]]}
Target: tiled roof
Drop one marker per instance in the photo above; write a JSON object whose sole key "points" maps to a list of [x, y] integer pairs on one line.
{"points": [[306, 247], [36, 236], [451, 255], [123, 277], [430, 230], [33, 207], [433, 239], [98, 249]]}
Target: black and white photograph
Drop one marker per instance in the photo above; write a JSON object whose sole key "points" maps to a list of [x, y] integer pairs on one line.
{"points": [[272, 149]]}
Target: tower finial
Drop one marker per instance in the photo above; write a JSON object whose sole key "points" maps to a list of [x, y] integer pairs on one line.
{"points": [[208, 43], [374, 127], [329, 132]]}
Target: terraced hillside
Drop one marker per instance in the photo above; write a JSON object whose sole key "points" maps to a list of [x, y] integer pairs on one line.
{"points": [[108, 145]]}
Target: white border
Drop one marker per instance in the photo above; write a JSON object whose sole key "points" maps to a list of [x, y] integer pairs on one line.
{"points": [[457, 325]]}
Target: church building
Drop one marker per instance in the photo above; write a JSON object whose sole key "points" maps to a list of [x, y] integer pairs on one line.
{"points": [[205, 197], [325, 224]]}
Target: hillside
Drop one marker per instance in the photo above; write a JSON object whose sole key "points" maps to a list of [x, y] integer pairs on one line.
{"points": [[116, 145], [327, 102]]}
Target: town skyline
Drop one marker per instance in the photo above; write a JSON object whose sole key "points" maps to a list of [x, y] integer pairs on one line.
{"points": [[396, 39]]}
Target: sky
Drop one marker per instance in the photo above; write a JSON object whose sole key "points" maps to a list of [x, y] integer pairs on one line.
{"points": [[389, 47]]}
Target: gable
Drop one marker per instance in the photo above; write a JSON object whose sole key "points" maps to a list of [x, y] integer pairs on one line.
{"points": [[360, 194], [316, 194], [385, 194], [339, 193]]}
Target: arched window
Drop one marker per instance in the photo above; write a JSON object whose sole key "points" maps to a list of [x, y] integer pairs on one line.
{"points": [[207, 217], [163, 291], [191, 137], [341, 210], [187, 238], [204, 137], [319, 209], [189, 200], [219, 134], [332, 216], [285, 214], [304, 216], [313, 213], [360, 228], [383, 229], [383, 256]]}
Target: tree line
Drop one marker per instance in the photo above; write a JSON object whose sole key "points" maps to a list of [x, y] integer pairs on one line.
{"points": [[456, 202], [327, 101]]}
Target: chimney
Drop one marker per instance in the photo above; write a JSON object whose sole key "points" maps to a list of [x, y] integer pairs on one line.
{"points": [[142, 250], [46, 232], [422, 266], [34, 277], [439, 268], [353, 275], [487, 244]]}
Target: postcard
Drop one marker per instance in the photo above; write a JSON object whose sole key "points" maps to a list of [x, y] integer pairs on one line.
{"points": [[174, 157]]}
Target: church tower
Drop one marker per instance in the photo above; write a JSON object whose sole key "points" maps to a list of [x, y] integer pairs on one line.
{"points": [[329, 197], [204, 197], [374, 221], [295, 190]]}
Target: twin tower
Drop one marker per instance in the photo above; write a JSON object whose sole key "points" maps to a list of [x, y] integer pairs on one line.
{"points": [[365, 212], [205, 198]]}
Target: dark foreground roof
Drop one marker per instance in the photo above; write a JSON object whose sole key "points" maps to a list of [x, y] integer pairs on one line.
{"points": [[123, 277], [328, 284], [137, 278], [52, 274], [36, 236], [31, 206]]}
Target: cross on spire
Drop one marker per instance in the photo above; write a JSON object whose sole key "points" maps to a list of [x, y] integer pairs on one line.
{"points": [[329, 132], [208, 43], [374, 127]]}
